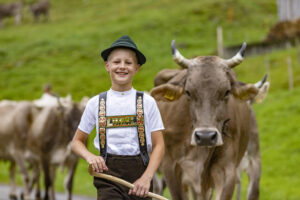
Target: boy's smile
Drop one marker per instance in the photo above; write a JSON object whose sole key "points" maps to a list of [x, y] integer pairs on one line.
{"points": [[122, 66], [121, 73]]}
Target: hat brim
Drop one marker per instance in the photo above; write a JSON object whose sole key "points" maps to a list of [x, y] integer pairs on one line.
{"points": [[140, 56]]}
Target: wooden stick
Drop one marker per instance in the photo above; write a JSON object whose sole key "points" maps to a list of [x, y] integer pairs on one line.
{"points": [[122, 182]]}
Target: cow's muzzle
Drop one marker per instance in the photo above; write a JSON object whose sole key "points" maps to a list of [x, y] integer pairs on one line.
{"points": [[206, 137]]}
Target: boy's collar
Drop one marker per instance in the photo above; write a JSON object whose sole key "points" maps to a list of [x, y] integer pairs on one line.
{"points": [[121, 93]]}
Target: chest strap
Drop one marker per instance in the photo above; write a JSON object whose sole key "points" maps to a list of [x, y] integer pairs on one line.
{"points": [[138, 121]]}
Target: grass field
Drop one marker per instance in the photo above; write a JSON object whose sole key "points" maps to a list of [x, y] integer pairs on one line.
{"points": [[65, 52]]}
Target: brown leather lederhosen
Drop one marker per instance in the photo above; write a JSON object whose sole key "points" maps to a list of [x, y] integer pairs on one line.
{"points": [[129, 168]]}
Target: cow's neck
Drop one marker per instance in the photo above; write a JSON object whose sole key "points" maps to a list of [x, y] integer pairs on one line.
{"points": [[195, 164]]}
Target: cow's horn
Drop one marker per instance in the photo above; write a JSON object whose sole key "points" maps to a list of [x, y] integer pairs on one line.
{"points": [[238, 58], [178, 58], [260, 83]]}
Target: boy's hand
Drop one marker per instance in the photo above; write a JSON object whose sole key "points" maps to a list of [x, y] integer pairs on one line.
{"points": [[97, 163], [141, 187]]}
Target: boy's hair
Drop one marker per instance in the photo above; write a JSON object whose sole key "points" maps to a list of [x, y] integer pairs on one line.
{"points": [[124, 42]]}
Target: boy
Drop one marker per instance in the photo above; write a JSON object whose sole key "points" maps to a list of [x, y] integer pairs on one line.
{"points": [[129, 127]]}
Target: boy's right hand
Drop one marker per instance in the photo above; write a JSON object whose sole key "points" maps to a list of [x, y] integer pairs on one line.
{"points": [[97, 163]]}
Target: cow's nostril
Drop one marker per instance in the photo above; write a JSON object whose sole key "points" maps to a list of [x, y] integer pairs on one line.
{"points": [[214, 137], [198, 137]]}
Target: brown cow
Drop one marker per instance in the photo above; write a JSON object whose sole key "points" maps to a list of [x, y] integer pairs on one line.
{"points": [[39, 136], [251, 162], [13, 133], [11, 10], [49, 138], [40, 8], [207, 123]]}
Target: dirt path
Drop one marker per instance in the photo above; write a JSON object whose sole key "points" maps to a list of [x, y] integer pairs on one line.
{"points": [[4, 194]]}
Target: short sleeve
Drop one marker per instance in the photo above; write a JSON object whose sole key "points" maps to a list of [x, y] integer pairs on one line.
{"points": [[88, 118], [155, 119]]}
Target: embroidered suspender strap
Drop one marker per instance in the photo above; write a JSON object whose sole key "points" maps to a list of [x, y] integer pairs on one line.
{"points": [[122, 121], [102, 124], [141, 127]]}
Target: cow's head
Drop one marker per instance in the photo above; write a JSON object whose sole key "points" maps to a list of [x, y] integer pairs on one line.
{"points": [[209, 84]]}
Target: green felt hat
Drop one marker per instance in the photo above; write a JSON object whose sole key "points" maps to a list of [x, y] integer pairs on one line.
{"points": [[125, 42]]}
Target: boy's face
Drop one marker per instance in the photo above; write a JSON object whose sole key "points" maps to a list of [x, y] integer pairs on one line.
{"points": [[122, 66]]}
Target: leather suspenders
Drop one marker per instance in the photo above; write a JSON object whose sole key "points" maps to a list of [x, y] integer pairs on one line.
{"points": [[141, 127], [122, 121]]}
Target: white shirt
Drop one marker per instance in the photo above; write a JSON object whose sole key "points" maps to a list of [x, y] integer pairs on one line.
{"points": [[123, 140]]}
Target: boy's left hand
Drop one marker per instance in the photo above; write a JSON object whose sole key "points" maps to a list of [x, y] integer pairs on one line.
{"points": [[141, 187]]}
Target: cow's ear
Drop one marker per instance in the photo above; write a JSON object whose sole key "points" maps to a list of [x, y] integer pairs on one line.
{"points": [[244, 91], [262, 93], [167, 92]]}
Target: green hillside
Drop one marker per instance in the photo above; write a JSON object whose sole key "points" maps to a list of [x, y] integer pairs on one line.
{"points": [[65, 52]]}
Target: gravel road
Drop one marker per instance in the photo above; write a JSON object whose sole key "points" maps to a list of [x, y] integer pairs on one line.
{"points": [[4, 194]]}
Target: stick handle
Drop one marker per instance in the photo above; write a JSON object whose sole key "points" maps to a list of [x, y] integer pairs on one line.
{"points": [[122, 182]]}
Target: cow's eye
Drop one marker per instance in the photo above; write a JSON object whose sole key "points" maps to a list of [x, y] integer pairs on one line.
{"points": [[188, 93], [227, 93]]}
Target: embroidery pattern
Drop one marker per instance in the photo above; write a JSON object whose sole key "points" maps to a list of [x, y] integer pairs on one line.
{"points": [[140, 121], [121, 121], [102, 123]]}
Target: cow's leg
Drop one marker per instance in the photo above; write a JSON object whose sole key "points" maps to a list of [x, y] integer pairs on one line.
{"points": [[172, 174], [1, 24], [253, 172], [206, 196], [69, 179], [18, 19], [12, 172], [194, 194], [253, 169], [238, 184], [158, 185], [224, 179], [47, 15], [36, 17], [19, 158], [47, 178], [52, 177], [35, 180]]}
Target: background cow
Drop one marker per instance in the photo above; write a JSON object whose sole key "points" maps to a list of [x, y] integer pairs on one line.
{"points": [[42, 7], [11, 10], [39, 136], [207, 121], [251, 162], [13, 134], [49, 136]]}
